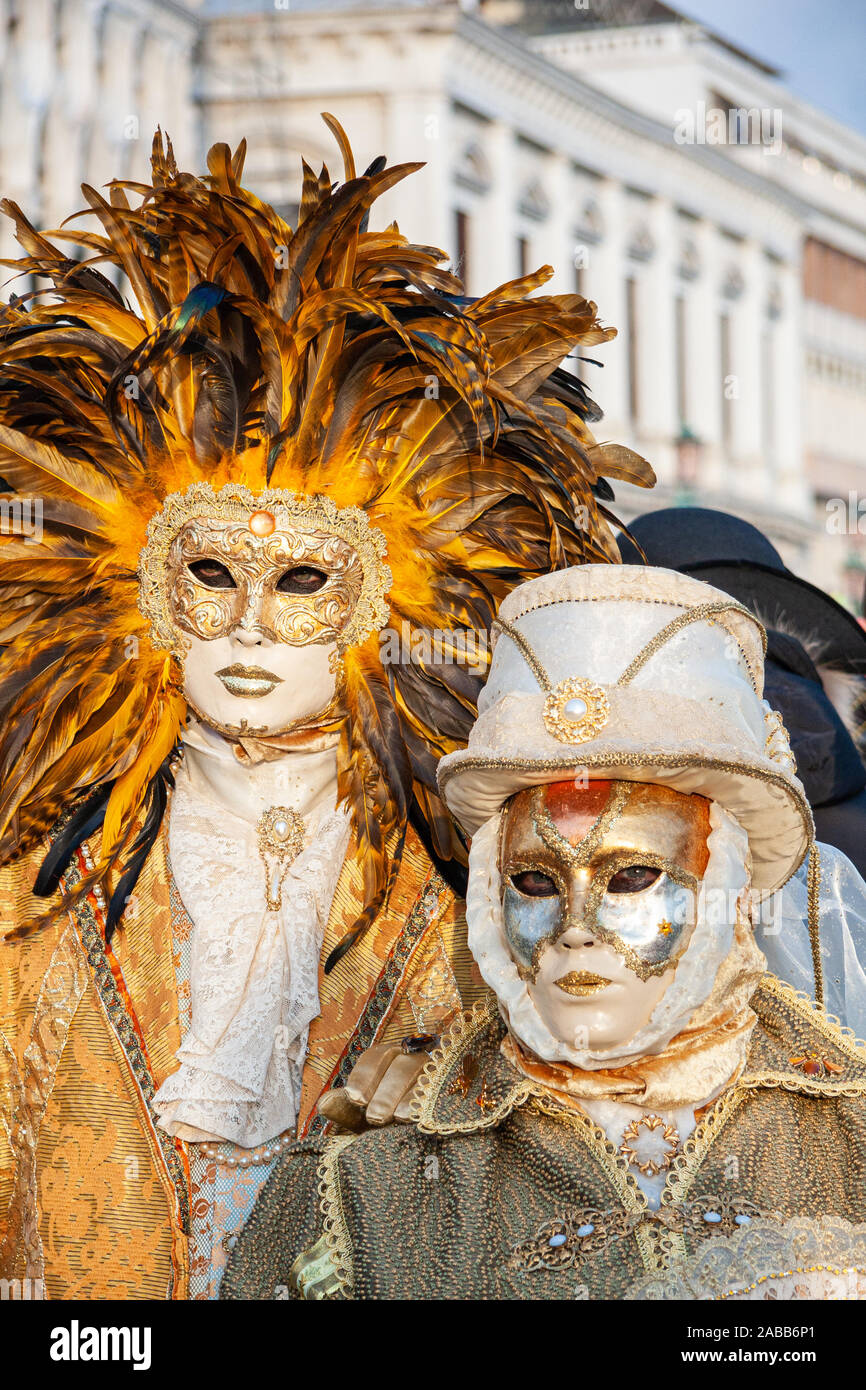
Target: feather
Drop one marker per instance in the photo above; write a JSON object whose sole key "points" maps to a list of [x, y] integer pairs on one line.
{"points": [[321, 359]]}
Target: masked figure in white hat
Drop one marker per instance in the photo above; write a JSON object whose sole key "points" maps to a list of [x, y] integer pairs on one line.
{"points": [[282, 486], [639, 1109]]}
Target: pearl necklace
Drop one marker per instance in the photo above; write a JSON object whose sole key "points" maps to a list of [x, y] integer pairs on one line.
{"points": [[250, 1157]]}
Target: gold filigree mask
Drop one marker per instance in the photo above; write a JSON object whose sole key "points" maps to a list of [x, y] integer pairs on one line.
{"points": [[298, 569], [619, 861]]}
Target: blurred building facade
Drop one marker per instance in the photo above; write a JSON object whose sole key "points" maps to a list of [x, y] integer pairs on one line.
{"points": [[718, 221], [83, 86]]}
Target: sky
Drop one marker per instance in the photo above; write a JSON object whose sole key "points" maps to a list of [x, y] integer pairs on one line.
{"points": [[821, 48]]}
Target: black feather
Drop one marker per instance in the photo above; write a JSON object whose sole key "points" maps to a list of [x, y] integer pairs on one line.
{"points": [[80, 826], [157, 801]]}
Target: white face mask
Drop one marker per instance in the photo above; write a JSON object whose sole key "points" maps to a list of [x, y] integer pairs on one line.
{"points": [[258, 602], [631, 1017], [245, 683], [260, 618]]}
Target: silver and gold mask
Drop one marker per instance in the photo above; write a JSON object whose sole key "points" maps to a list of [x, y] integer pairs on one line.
{"points": [[620, 861]]}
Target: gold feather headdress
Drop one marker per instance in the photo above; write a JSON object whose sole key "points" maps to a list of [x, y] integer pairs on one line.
{"points": [[327, 360]]}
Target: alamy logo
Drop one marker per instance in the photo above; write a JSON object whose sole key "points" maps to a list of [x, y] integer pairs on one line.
{"points": [[76, 1343], [21, 516], [26, 1290]]}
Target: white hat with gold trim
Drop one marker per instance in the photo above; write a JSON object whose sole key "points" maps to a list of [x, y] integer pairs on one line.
{"points": [[639, 675]]}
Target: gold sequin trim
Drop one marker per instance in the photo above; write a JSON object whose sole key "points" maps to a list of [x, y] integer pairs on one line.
{"points": [[693, 615], [579, 854], [336, 1232], [813, 899], [788, 1274], [428, 1090], [523, 646], [644, 759]]}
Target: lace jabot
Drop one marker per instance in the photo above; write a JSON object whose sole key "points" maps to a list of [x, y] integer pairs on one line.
{"points": [[253, 972]]}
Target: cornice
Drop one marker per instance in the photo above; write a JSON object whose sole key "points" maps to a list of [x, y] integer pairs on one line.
{"points": [[532, 71]]}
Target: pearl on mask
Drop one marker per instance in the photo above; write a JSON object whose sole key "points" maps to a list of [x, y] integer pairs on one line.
{"points": [[262, 523]]}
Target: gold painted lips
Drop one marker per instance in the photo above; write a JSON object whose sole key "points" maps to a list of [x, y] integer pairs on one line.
{"points": [[582, 983], [248, 682]]}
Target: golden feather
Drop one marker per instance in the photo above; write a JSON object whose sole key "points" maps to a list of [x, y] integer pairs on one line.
{"points": [[326, 339]]}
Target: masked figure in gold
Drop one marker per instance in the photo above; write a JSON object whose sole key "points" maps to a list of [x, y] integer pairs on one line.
{"points": [[281, 478], [639, 1109]]}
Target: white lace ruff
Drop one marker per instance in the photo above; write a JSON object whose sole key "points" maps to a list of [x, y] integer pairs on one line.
{"points": [[253, 973], [725, 878]]}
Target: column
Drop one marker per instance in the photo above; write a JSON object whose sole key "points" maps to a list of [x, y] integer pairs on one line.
{"points": [[749, 471], [657, 397], [418, 127], [792, 487], [494, 230], [559, 239], [703, 356], [605, 283]]}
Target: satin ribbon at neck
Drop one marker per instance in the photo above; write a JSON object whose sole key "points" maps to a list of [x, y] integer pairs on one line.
{"points": [[312, 736]]}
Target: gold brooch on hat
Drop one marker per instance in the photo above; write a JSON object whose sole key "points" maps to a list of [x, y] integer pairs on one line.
{"points": [[575, 710]]}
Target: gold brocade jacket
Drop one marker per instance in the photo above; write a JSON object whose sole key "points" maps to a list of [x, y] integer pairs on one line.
{"points": [[502, 1192], [94, 1196]]}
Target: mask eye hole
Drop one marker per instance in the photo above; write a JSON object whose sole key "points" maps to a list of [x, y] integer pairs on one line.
{"points": [[634, 878], [302, 580], [533, 884], [212, 574]]}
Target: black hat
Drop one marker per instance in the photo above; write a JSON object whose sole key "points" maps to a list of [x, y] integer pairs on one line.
{"points": [[737, 558], [828, 763], [734, 556]]}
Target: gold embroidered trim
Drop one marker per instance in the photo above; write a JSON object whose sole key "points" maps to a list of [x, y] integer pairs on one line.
{"points": [[650, 1234], [786, 1082], [522, 645], [61, 991], [813, 898], [697, 1146], [336, 1233], [669, 602], [595, 1139], [693, 615], [428, 1090], [827, 1024], [644, 759]]}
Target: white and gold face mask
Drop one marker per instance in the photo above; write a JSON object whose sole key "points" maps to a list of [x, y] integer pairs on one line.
{"points": [[258, 596]]}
